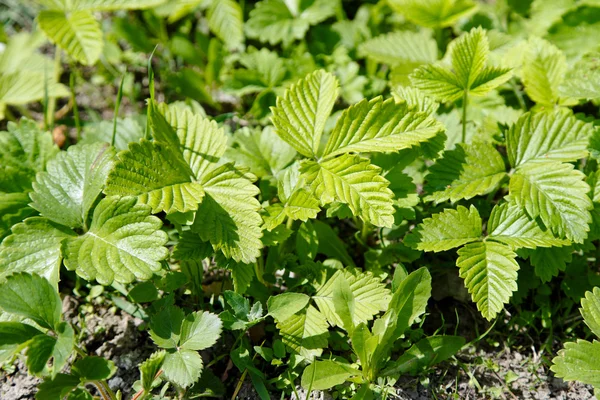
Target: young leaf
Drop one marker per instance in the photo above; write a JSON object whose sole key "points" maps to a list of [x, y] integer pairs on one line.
{"points": [[200, 330], [352, 180], [541, 188], [124, 243], [380, 126], [31, 296], [66, 192], [446, 230], [467, 171], [34, 247], [300, 115], [555, 135], [78, 33], [434, 13], [544, 68], [590, 310], [323, 375], [510, 225], [490, 273], [578, 361], [305, 332], [469, 54], [150, 368]]}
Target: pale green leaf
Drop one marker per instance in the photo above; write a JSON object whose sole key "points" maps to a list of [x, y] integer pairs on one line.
{"points": [[436, 81], [370, 297], [302, 206], [124, 243], [150, 368], [200, 330], [182, 367], [510, 225], [415, 99], [68, 189], [578, 361], [380, 126], [78, 33], [300, 115], [35, 247], [547, 136], [305, 332], [113, 5], [228, 216], [128, 131], [557, 193], [590, 309], [226, 20], [467, 171], [22, 87], [31, 296], [544, 68], [490, 273], [583, 79], [352, 180], [404, 47], [434, 13], [283, 306], [446, 230], [323, 375], [156, 174]]}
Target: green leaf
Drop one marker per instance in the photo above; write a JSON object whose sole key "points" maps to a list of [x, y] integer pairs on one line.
{"points": [[276, 21], [67, 191], [150, 368], [415, 99], [331, 245], [182, 367], [434, 13], [590, 310], [425, 353], [57, 388], [344, 304], [165, 327], [446, 230], [200, 330], [323, 375], [34, 247], [228, 216], [467, 171], [307, 242], [305, 332], [469, 55], [398, 48], [93, 368], [300, 115], [549, 261], [490, 273], [14, 208], [583, 79], [555, 135], [370, 297], [31, 296], [16, 333], [578, 361], [156, 174], [544, 68], [124, 243], [285, 305], [22, 87], [113, 5], [78, 33], [128, 131], [380, 126], [65, 342], [556, 193], [510, 225], [39, 353], [352, 180], [226, 20]]}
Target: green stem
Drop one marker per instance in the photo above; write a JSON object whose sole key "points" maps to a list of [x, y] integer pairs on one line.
{"points": [[464, 115], [364, 232], [52, 101], [518, 94], [75, 108], [116, 114]]}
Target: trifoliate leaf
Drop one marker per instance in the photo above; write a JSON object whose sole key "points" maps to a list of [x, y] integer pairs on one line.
{"points": [[67, 191], [469, 55], [124, 243], [275, 21], [467, 171], [556, 193], [549, 261], [31, 296], [156, 174], [78, 33], [590, 309], [352, 180], [200, 330], [578, 361], [547, 136], [446, 230], [490, 273], [35, 247], [183, 367], [305, 332], [228, 216], [370, 297], [544, 68], [398, 48], [434, 13], [226, 20], [300, 115], [380, 126], [510, 225]]}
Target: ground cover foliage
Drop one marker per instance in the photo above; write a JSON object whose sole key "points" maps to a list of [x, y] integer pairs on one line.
{"points": [[299, 197]]}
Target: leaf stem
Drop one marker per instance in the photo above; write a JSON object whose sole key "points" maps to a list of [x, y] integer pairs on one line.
{"points": [[116, 113], [52, 100], [464, 115], [75, 108]]}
